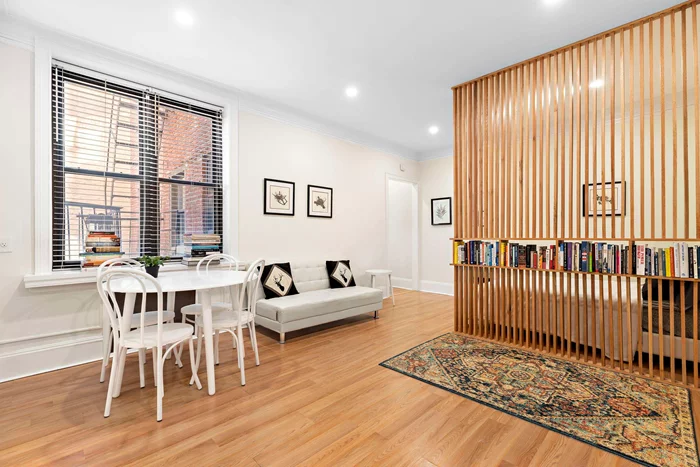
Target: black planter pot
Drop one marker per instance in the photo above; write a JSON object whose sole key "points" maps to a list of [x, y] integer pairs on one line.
{"points": [[153, 270]]}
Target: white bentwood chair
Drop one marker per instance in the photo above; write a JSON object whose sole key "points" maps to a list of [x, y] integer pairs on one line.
{"points": [[154, 336], [190, 312], [233, 321], [151, 316]]}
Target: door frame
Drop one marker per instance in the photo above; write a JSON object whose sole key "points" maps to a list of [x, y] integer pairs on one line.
{"points": [[415, 211]]}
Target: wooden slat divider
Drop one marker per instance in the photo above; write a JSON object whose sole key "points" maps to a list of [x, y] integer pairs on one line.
{"points": [[530, 140]]}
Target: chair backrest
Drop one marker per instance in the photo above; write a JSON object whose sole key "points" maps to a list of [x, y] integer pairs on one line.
{"points": [[233, 263], [117, 262], [143, 283], [248, 294]]}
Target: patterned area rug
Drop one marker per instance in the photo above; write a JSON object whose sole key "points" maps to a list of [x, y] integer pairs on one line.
{"points": [[642, 420]]}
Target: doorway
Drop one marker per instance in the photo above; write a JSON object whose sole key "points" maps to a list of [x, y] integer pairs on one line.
{"points": [[402, 231]]}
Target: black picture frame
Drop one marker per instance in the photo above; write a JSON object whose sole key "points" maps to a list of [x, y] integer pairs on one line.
{"points": [[309, 212], [449, 211], [267, 208], [620, 206]]}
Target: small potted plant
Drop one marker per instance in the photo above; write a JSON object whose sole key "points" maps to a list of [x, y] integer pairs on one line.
{"points": [[152, 264]]}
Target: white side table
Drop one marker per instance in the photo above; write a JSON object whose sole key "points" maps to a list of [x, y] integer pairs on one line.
{"points": [[373, 273]]}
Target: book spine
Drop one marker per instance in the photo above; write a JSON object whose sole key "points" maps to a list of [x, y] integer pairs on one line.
{"points": [[641, 249]]}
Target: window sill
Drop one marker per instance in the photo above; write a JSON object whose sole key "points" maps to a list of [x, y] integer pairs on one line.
{"points": [[59, 278]]}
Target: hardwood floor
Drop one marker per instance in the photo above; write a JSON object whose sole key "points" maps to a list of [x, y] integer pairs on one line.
{"points": [[320, 399]]}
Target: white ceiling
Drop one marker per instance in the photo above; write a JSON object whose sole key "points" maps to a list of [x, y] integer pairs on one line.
{"points": [[403, 55]]}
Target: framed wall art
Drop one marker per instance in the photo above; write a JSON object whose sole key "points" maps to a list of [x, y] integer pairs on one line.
{"points": [[598, 199], [441, 211], [279, 197], [319, 201]]}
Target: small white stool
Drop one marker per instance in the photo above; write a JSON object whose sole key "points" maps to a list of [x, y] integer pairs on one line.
{"points": [[373, 273]]}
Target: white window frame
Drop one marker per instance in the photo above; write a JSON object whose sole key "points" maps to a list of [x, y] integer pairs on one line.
{"points": [[124, 67]]}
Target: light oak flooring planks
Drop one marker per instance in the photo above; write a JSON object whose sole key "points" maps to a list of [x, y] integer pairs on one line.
{"points": [[319, 399]]}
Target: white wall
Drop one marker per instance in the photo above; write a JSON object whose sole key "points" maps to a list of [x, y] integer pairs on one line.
{"points": [[399, 227], [435, 246], [43, 329], [40, 329], [357, 231]]}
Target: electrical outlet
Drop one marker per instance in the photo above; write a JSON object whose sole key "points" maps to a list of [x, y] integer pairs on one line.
{"points": [[5, 245]]}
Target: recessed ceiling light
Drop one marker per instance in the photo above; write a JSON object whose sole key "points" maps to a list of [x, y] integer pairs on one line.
{"points": [[184, 18], [351, 92], [433, 130], [598, 83], [551, 2]]}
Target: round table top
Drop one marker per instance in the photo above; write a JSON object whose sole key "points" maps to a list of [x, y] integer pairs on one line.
{"points": [[179, 281], [377, 272]]}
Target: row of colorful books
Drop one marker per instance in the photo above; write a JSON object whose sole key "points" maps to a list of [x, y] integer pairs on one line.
{"points": [[503, 253], [678, 260], [197, 246], [100, 246], [594, 257]]}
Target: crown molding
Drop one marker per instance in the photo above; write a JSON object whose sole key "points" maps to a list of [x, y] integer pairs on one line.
{"points": [[23, 33], [435, 154]]}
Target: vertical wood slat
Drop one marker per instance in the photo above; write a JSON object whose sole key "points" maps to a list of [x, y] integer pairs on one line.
{"points": [[570, 184], [603, 124], [660, 327], [594, 114], [642, 134], [613, 81], [696, 75], [652, 165], [686, 178], [674, 126], [662, 95]]}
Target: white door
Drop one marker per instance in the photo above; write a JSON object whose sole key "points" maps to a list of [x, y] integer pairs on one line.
{"points": [[402, 232]]}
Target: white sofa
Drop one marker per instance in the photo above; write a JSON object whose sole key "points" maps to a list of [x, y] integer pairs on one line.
{"points": [[316, 302]]}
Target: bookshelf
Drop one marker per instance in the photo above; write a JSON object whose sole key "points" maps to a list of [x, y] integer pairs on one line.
{"points": [[553, 151]]}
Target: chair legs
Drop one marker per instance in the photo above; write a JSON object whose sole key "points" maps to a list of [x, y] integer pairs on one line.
{"points": [[105, 356], [193, 365], [254, 341], [142, 362], [281, 338], [121, 362], [112, 381], [199, 354], [160, 393], [216, 346], [117, 371]]}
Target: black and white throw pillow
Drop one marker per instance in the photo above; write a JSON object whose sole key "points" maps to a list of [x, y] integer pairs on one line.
{"points": [[277, 281], [340, 274]]}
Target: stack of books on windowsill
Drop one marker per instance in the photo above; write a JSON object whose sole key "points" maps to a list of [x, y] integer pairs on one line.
{"points": [[100, 246], [197, 246]]}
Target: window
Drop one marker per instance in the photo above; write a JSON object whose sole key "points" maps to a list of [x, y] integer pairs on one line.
{"points": [[132, 161]]}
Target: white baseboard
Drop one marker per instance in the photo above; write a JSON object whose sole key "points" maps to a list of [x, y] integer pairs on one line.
{"points": [[402, 283], [40, 354], [444, 288]]}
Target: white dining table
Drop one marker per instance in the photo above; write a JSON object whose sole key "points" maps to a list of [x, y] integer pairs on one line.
{"points": [[203, 282]]}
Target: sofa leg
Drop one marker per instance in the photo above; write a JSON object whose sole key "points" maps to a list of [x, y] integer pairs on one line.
{"points": [[376, 314], [281, 338]]}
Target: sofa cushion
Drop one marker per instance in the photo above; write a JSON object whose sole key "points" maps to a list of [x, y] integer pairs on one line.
{"points": [[340, 274], [317, 302], [277, 281]]}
